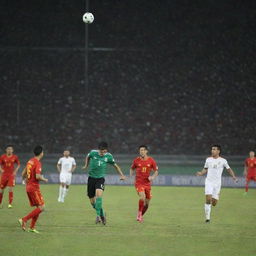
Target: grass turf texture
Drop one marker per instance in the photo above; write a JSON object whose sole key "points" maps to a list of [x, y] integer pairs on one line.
{"points": [[174, 224]]}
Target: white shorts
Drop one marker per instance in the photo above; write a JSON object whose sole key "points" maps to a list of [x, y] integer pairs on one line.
{"points": [[65, 178], [212, 189]]}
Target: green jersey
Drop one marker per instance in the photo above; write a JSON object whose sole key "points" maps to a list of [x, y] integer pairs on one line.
{"points": [[98, 164]]}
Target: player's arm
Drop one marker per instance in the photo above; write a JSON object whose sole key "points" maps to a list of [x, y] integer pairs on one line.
{"points": [[152, 177], [24, 173], [201, 173], [41, 177], [231, 172], [17, 167], [118, 169], [245, 170], [73, 168], [132, 172], [59, 167], [86, 162]]}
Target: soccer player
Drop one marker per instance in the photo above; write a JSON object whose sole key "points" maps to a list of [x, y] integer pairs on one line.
{"points": [[9, 166], [97, 161], [66, 166], [250, 169], [143, 165], [32, 174], [214, 166]]}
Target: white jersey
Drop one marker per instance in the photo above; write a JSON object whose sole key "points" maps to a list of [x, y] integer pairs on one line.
{"points": [[66, 164], [215, 168]]}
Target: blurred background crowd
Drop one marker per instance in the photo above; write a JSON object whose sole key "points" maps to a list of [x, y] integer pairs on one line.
{"points": [[176, 75]]}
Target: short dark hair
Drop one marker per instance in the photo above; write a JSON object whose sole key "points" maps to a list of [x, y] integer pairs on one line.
{"points": [[143, 146], [38, 150], [216, 146], [103, 145], [8, 146]]}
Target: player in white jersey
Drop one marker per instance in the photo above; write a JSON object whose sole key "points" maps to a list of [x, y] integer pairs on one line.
{"points": [[214, 167], [66, 166]]}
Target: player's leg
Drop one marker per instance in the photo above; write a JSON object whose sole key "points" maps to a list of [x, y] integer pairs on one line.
{"points": [[11, 184], [147, 200], [247, 181], [91, 191], [35, 199], [216, 194], [3, 184], [141, 204], [61, 188], [35, 218], [208, 200], [100, 186], [66, 185]]}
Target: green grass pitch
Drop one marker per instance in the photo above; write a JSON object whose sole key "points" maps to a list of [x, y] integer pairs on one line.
{"points": [[173, 225]]}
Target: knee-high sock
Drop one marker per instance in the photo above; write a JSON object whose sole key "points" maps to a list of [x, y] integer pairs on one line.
{"points": [[60, 192], [1, 197], [141, 205], [98, 205], [32, 214], [10, 197], [207, 209], [33, 221], [144, 209], [246, 187], [65, 192]]}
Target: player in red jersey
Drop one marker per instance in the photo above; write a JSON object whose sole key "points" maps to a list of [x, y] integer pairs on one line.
{"points": [[250, 169], [32, 174], [9, 166], [143, 165]]}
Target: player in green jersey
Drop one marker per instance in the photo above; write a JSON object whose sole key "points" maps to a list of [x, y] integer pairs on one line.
{"points": [[97, 161]]}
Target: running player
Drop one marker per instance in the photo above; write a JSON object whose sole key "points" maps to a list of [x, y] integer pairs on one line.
{"points": [[214, 166], [143, 166], [32, 175], [250, 169], [66, 166], [97, 161], [8, 171]]}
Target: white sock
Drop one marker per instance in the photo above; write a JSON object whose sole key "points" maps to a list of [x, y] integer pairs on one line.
{"points": [[65, 192], [207, 209], [60, 193]]}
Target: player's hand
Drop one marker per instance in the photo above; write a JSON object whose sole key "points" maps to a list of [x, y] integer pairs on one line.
{"points": [[122, 177], [198, 174], [235, 179], [84, 167], [46, 180], [150, 178]]}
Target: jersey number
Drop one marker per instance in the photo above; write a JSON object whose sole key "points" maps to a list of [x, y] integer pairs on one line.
{"points": [[144, 169]]}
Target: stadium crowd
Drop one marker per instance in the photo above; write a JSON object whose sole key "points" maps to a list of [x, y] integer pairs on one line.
{"points": [[188, 86]]}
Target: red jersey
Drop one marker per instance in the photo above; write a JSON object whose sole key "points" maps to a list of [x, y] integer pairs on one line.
{"points": [[250, 163], [143, 169], [7, 163], [33, 167]]}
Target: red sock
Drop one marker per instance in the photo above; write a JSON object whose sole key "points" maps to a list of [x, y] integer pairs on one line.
{"points": [[10, 197], [33, 221], [1, 197], [144, 209], [32, 214], [141, 205], [246, 187]]}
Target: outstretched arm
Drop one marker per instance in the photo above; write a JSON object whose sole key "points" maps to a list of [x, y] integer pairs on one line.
{"points": [[41, 177], [152, 177], [118, 169], [201, 173]]}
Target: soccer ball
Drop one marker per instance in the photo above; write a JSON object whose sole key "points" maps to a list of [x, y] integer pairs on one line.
{"points": [[88, 18]]}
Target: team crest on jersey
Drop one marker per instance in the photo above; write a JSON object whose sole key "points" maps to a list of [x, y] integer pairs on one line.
{"points": [[94, 157], [148, 165], [106, 159], [139, 164]]}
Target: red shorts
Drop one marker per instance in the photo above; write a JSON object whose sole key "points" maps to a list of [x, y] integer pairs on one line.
{"points": [[251, 176], [35, 198], [144, 188], [7, 181]]}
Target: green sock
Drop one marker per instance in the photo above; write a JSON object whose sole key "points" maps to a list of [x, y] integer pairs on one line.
{"points": [[98, 205]]}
